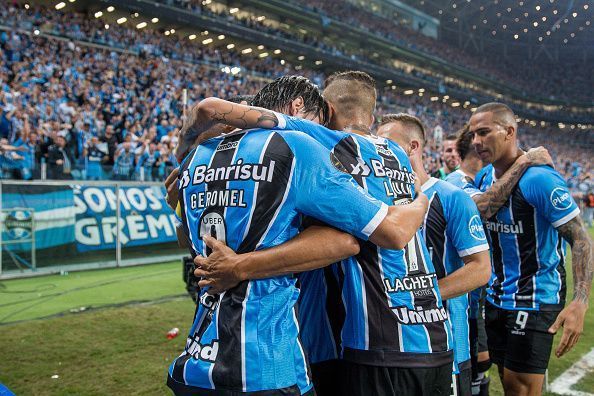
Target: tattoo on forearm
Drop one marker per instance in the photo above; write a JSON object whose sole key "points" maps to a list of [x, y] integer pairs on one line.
{"points": [[490, 201], [574, 232]]}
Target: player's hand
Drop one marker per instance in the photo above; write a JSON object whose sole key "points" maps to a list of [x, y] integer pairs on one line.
{"points": [[571, 318], [219, 271], [171, 186], [539, 156]]}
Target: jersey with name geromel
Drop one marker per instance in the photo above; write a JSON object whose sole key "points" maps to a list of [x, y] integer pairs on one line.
{"points": [[528, 253], [452, 230], [394, 313], [251, 190], [461, 180]]}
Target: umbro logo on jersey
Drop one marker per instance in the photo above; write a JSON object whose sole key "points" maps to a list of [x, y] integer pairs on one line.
{"points": [[206, 352], [227, 146], [184, 181], [475, 227], [360, 168], [560, 198], [420, 315]]}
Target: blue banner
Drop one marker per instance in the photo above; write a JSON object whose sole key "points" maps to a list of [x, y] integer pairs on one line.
{"points": [[145, 218]]}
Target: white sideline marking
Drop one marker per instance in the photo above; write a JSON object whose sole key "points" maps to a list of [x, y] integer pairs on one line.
{"points": [[562, 385]]}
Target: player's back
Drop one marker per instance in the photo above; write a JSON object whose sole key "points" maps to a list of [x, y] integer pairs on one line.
{"points": [[394, 314]]}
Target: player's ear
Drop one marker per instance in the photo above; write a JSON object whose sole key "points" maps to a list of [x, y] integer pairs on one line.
{"points": [[510, 132], [415, 147], [296, 106], [372, 121]]}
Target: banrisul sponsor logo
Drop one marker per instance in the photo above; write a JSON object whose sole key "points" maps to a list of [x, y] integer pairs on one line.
{"points": [[475, 227], [503, 228], [560, 198], [238, 172], [420, 315]]}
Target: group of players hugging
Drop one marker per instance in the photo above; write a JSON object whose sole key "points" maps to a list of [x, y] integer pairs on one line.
{"points": [[331, 263]]}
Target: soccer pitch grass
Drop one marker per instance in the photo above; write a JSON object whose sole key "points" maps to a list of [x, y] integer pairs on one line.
{"points": [[117, 345]]}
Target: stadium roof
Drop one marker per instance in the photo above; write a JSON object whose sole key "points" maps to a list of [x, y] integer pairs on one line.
{"points": [[533, 29]]}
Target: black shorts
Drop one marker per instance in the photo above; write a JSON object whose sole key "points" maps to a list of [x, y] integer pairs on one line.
{"points": [[462, 383], [326, 376], [365, 380], [519, 340]]}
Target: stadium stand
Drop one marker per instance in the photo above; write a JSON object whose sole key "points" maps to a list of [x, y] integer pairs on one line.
{"points": [[117, 91]]}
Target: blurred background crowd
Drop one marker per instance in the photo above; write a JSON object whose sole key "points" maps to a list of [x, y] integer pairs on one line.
{"points": [[90, 102]]}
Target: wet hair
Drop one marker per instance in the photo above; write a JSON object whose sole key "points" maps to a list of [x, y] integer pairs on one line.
{"points": [[411, 123], [351, 92], [279, 94], [464, 142]]}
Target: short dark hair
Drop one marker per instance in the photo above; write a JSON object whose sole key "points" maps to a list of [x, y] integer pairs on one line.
{"points": [[464, 142], [279, 94], [351, 92], [451, 136], [409, 121], [502, 113]]}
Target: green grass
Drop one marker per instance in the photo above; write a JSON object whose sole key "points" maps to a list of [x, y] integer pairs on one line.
{"points": [[29, 298], [122, 350]]}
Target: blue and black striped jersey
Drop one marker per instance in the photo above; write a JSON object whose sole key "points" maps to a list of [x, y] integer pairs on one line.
{"points": [[528, 254], [251, 190], [452, 230], [461, 180], [393, 314]]}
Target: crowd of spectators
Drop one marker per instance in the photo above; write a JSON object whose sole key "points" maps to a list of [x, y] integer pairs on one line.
{"points": [[564, 81], [97, 113]]}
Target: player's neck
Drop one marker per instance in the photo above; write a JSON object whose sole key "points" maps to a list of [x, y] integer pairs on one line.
{"points": [[359, 129], [502, 164], [419, 169], [468, 169]]}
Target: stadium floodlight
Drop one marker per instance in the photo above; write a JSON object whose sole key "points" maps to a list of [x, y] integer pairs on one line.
{"points": [[535, 24], [260, 47], [233, 10], [26, 6], [516, 36], [318, 62], [192, 36], [135, 15], [246, 50], [106, 26], [204, 33], [98, 14], [226, 69], [409, 92], [60, 5], [260, 18], [446, 97], [167, 33], [301, 57], [172, 31], [282, 62], [207, 41], [575, 14], [230, 46], [206, 2], [421, 89], [434, 98], [263, 55], [393, 86], [221, 37], [141, 25], [235, 70], [110, 9], [36, 32], [585, 6], [388, 82], [155, 20], [537, 8], [277, 51], [72, 1], [121, 20], [455, 104]]}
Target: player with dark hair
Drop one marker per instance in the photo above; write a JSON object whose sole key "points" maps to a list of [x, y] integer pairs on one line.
{"points": [[396, 338], [455, 237], [449, 156], [250, 190], [526, 295]]}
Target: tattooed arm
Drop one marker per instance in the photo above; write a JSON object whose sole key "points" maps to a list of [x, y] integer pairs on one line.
{"points": [[572, 316], [490, 201], [207, 117]]}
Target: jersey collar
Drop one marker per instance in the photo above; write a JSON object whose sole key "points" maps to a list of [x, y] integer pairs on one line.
{"points": [[429, 183]]}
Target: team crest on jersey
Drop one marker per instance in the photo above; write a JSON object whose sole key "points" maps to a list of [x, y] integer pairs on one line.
{"points": [[337, 164], [475, 227], [560, 198]]}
